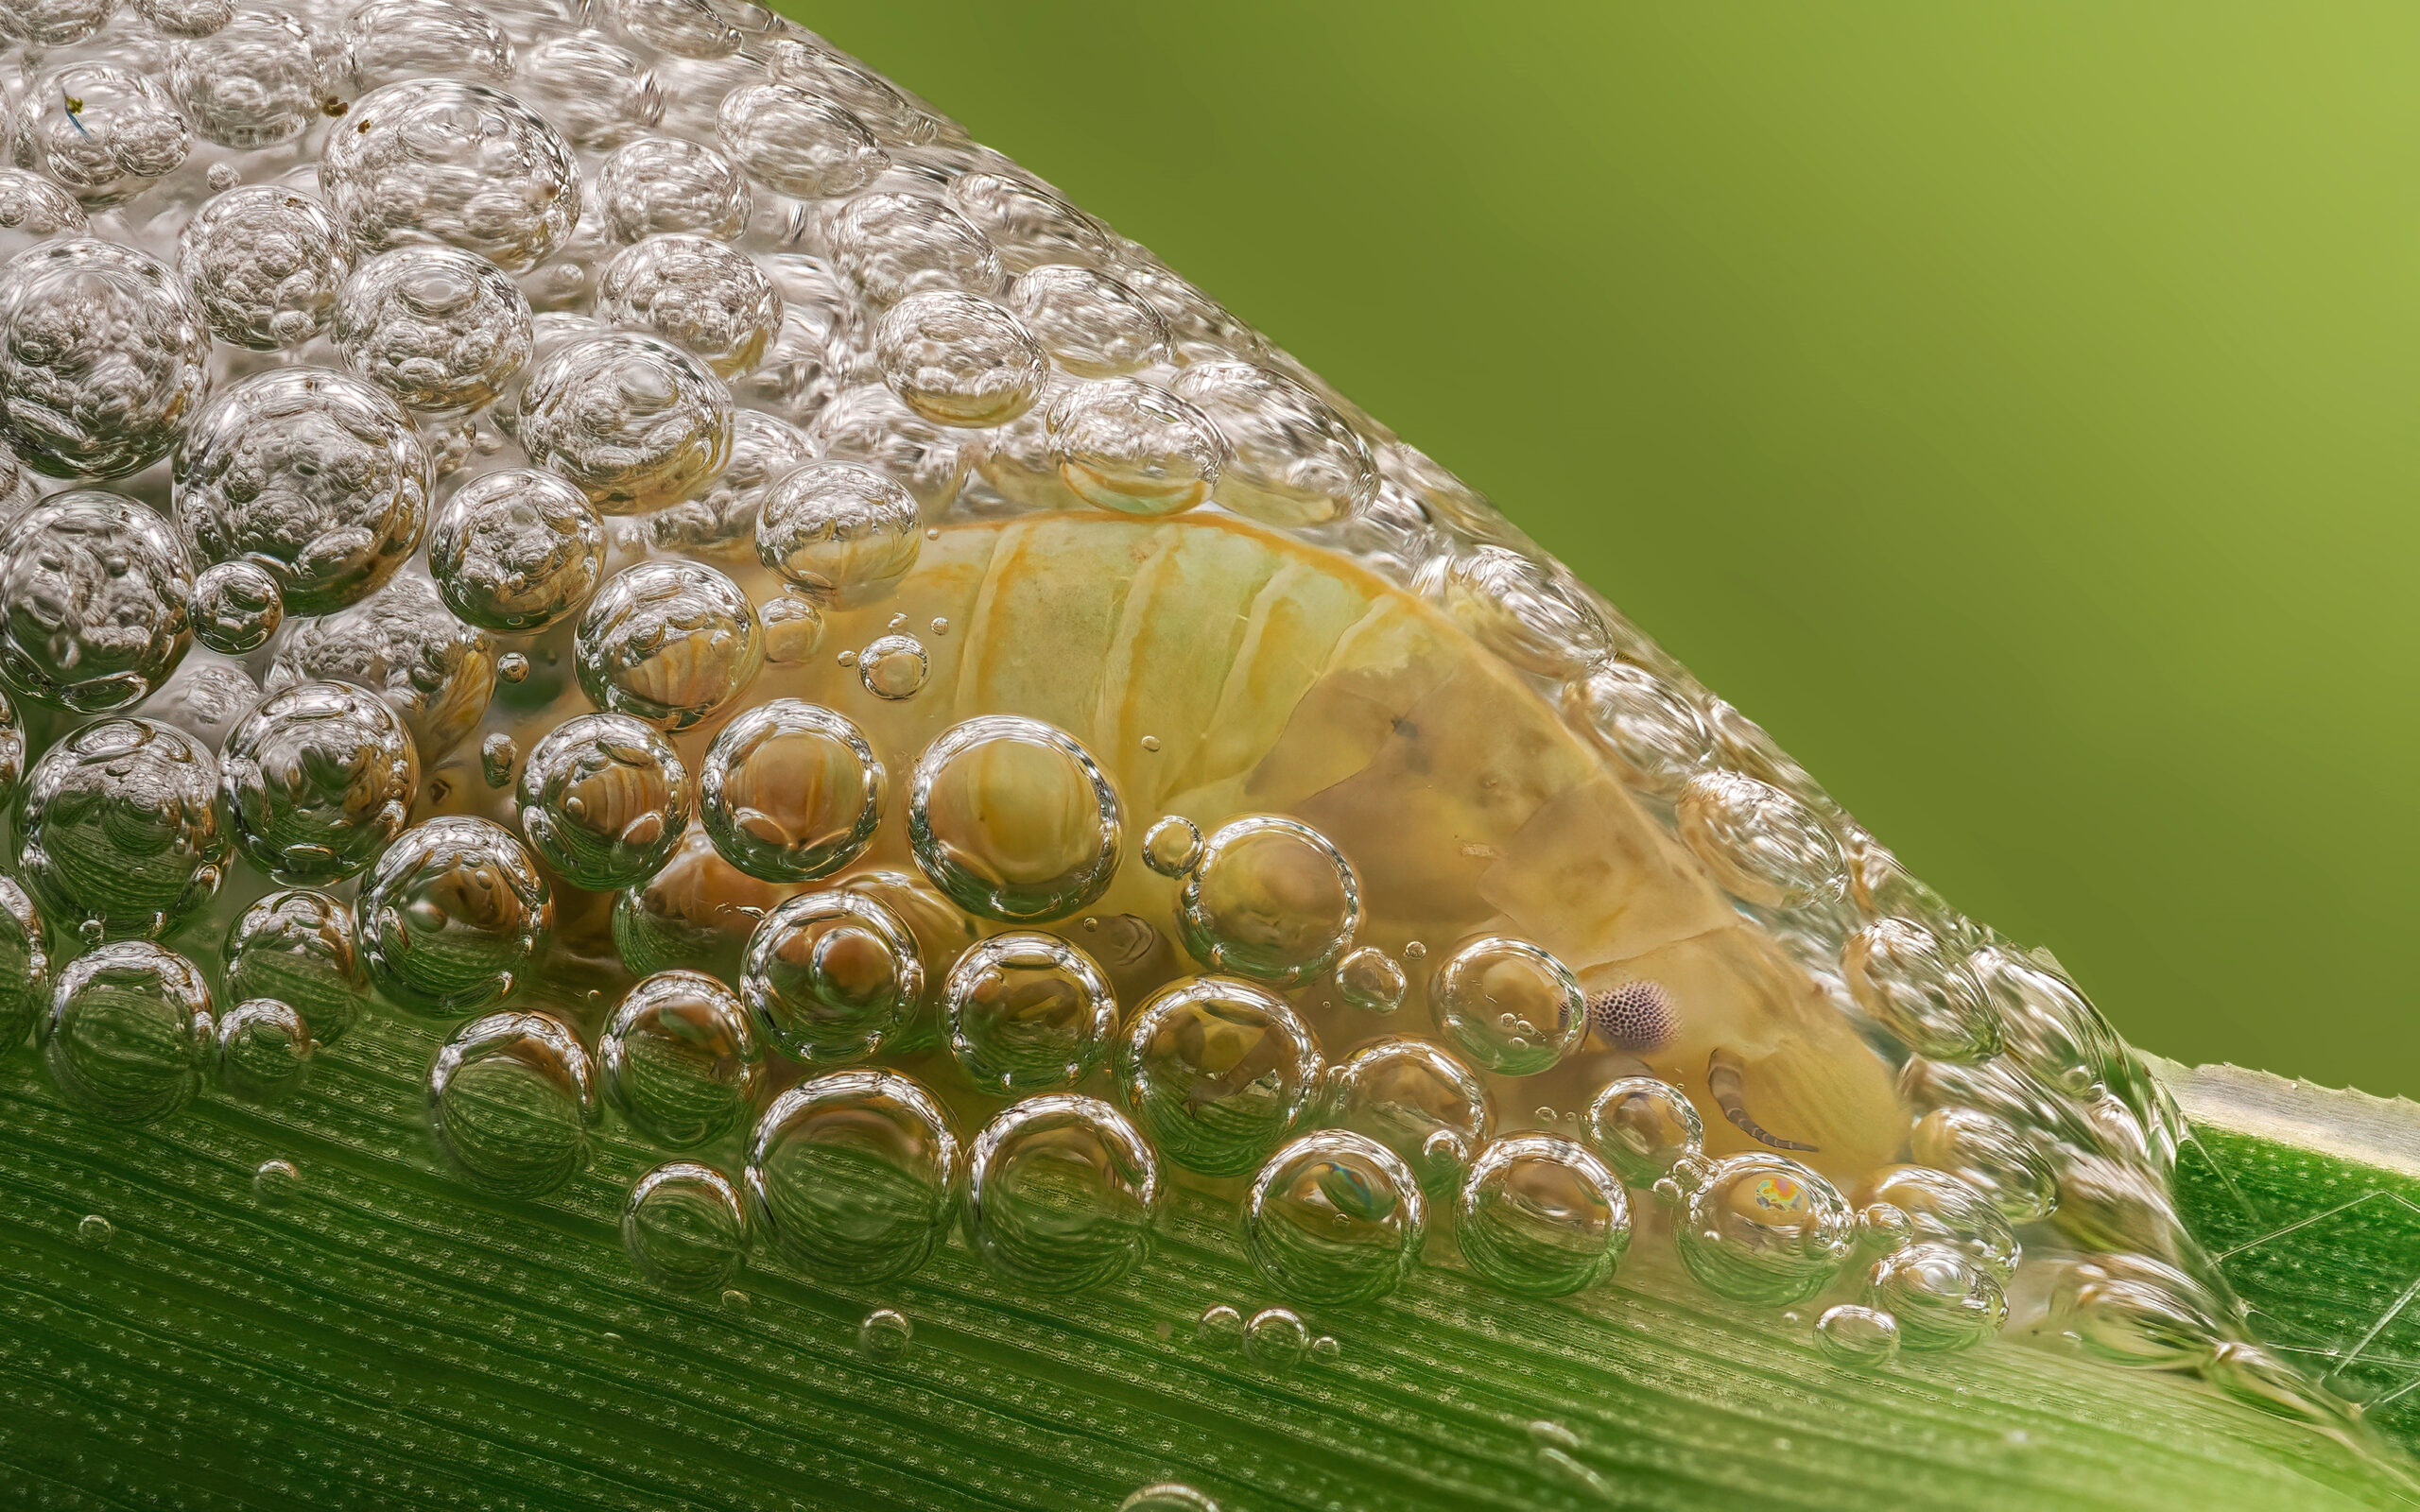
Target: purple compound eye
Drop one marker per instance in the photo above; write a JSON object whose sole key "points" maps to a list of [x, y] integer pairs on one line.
{"points": [[1635, 1016]]}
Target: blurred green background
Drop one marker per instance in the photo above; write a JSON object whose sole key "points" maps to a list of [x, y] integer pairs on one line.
{"points": [[2011, 407]]}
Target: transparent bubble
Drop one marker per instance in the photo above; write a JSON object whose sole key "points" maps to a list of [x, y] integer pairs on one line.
{"points": [[266, 262], [1759, 842], [829, 975], [1509, 1005], [791, 791], [855, 1175], [318, 779], [315, 478], [92, 602], [1218, 1071], [119, 824], [498, 755], [105, 133], [1941, 1209], [696, 293], [1028, 1012], [296, 946], [1270, 898], [1294, 461], [1276, 1337], [721, 522], [404, 645], [1642, 1127], [1091, 324], [34, 210], [1030, 225], [512, 1099], [516, 550], [53, 23], [101, 358], [235, 608], [1858, 1337], [1173, 845], [660, 186], [796, 143], [697, 911], [1652, 733], [389, 40], [1540, 1216], [453, 917], [1941, 1299], [1062, 1194], [275, 1183], [264, 1048], [440, 329], [885, 1335], [894, 245], [894, 667], [260, 79], [2049, 1026], [1991, 1156], [691, 28], [886, 110], [637, 422], [841, 533], [1220, 1328], [598, 96], [129, 1031], [1013, 820], [680, 1059], [683, 1228], [668, 643], [25, 966], [205, 696], [1335, 1217], [603, 799], [1134, 448], [1419, 1102], [941, 934], [183, 18], [1764, 1229], [432, 160], [958, 359], [1913, 985], [866, 424], [1370, 980], [94, 1231]]}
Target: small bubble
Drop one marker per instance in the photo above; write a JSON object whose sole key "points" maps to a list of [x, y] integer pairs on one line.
{"points": [[847, 658], [223, 177], [1325, 1350], [684, 1229], [894, 667], [885, 1335], [275, 1183], [513, 667], [940, 626], [1151, 743], [95, 1230], [1168, 1497], [1172, 846], [1276, 1337], [734, 1302], [1415, 951], [498, 755], [1220, 1328]]}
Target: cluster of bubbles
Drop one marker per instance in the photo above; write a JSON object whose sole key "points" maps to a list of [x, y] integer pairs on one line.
{"points": [[369, 369]]}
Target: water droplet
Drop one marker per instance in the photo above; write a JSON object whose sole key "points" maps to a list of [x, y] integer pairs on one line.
{"points": [[841, 533], [958, 359], [512, 1098], [1942, 1298], [1294, 462], [683, 1228], [1091, 324], [388, 40], [1992, 1156], [98, 591], [120, 823], [793, 628], [257, 80], [1172, 846], [885, 1335], [1540, 1216], [669, 643], [276, 1182], [517, 550], [319, 779], [94, 1231], [1276, 1337], [828, 976], [1219, 1329], [894, 667], [1335, 1217], [107, 133], [1370, 980], [855, 1175], [1062, 1194], [1495, 975], [1640, 1126], [1028, 1012], [453, 915], [1419, 1102], [129, 1031], [297, 948], [435, 160], [1271, 899], [264, 1048], [1218, 1071], [697, 912], [604, 800], [796, 142], [892, 245], [1013, 820], [791, 791], [235, 608], [1764, 1229]]}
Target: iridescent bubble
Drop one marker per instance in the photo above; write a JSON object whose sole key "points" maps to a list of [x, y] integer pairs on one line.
{"points": [[1218, 1071], [680, 1061], [1091, 324], [1134, 448], [660, 184], [1370, 980], [695, 292], [683, 1228], [1030, 225], [263, 1048], [453, 917], [894, 245], [512, 1099], [1858, 1337], [235, 608], [1062, 1194], [1992, 1156], [958, 359], [1013, 819], [93, 596], [1915, 988], [829, 975], [516, 550], [440, 329], [638, 423], [1764, 1229], [1270, 898], [262, 78], [1335, 1217], [102, 356], [296, 946], [1642, 1127], [404, 645], [119, 824], [668, 643], [720, 522], [1028, 1012], [1294, 460], [1419, 1102], [1540, 1216], [796, 143], [319, 777], [697, 911], [1942, 1298], [129, 1031], [388, 40], [1509, 1005], [25, 966], [842, 534], [432, 160], [315, 478], [1173, 845], [855, 1175], [266, 262], [791, 791], [1759, 842], [603, 800], [1943, 1210], [106, 133], [894, 667]]}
